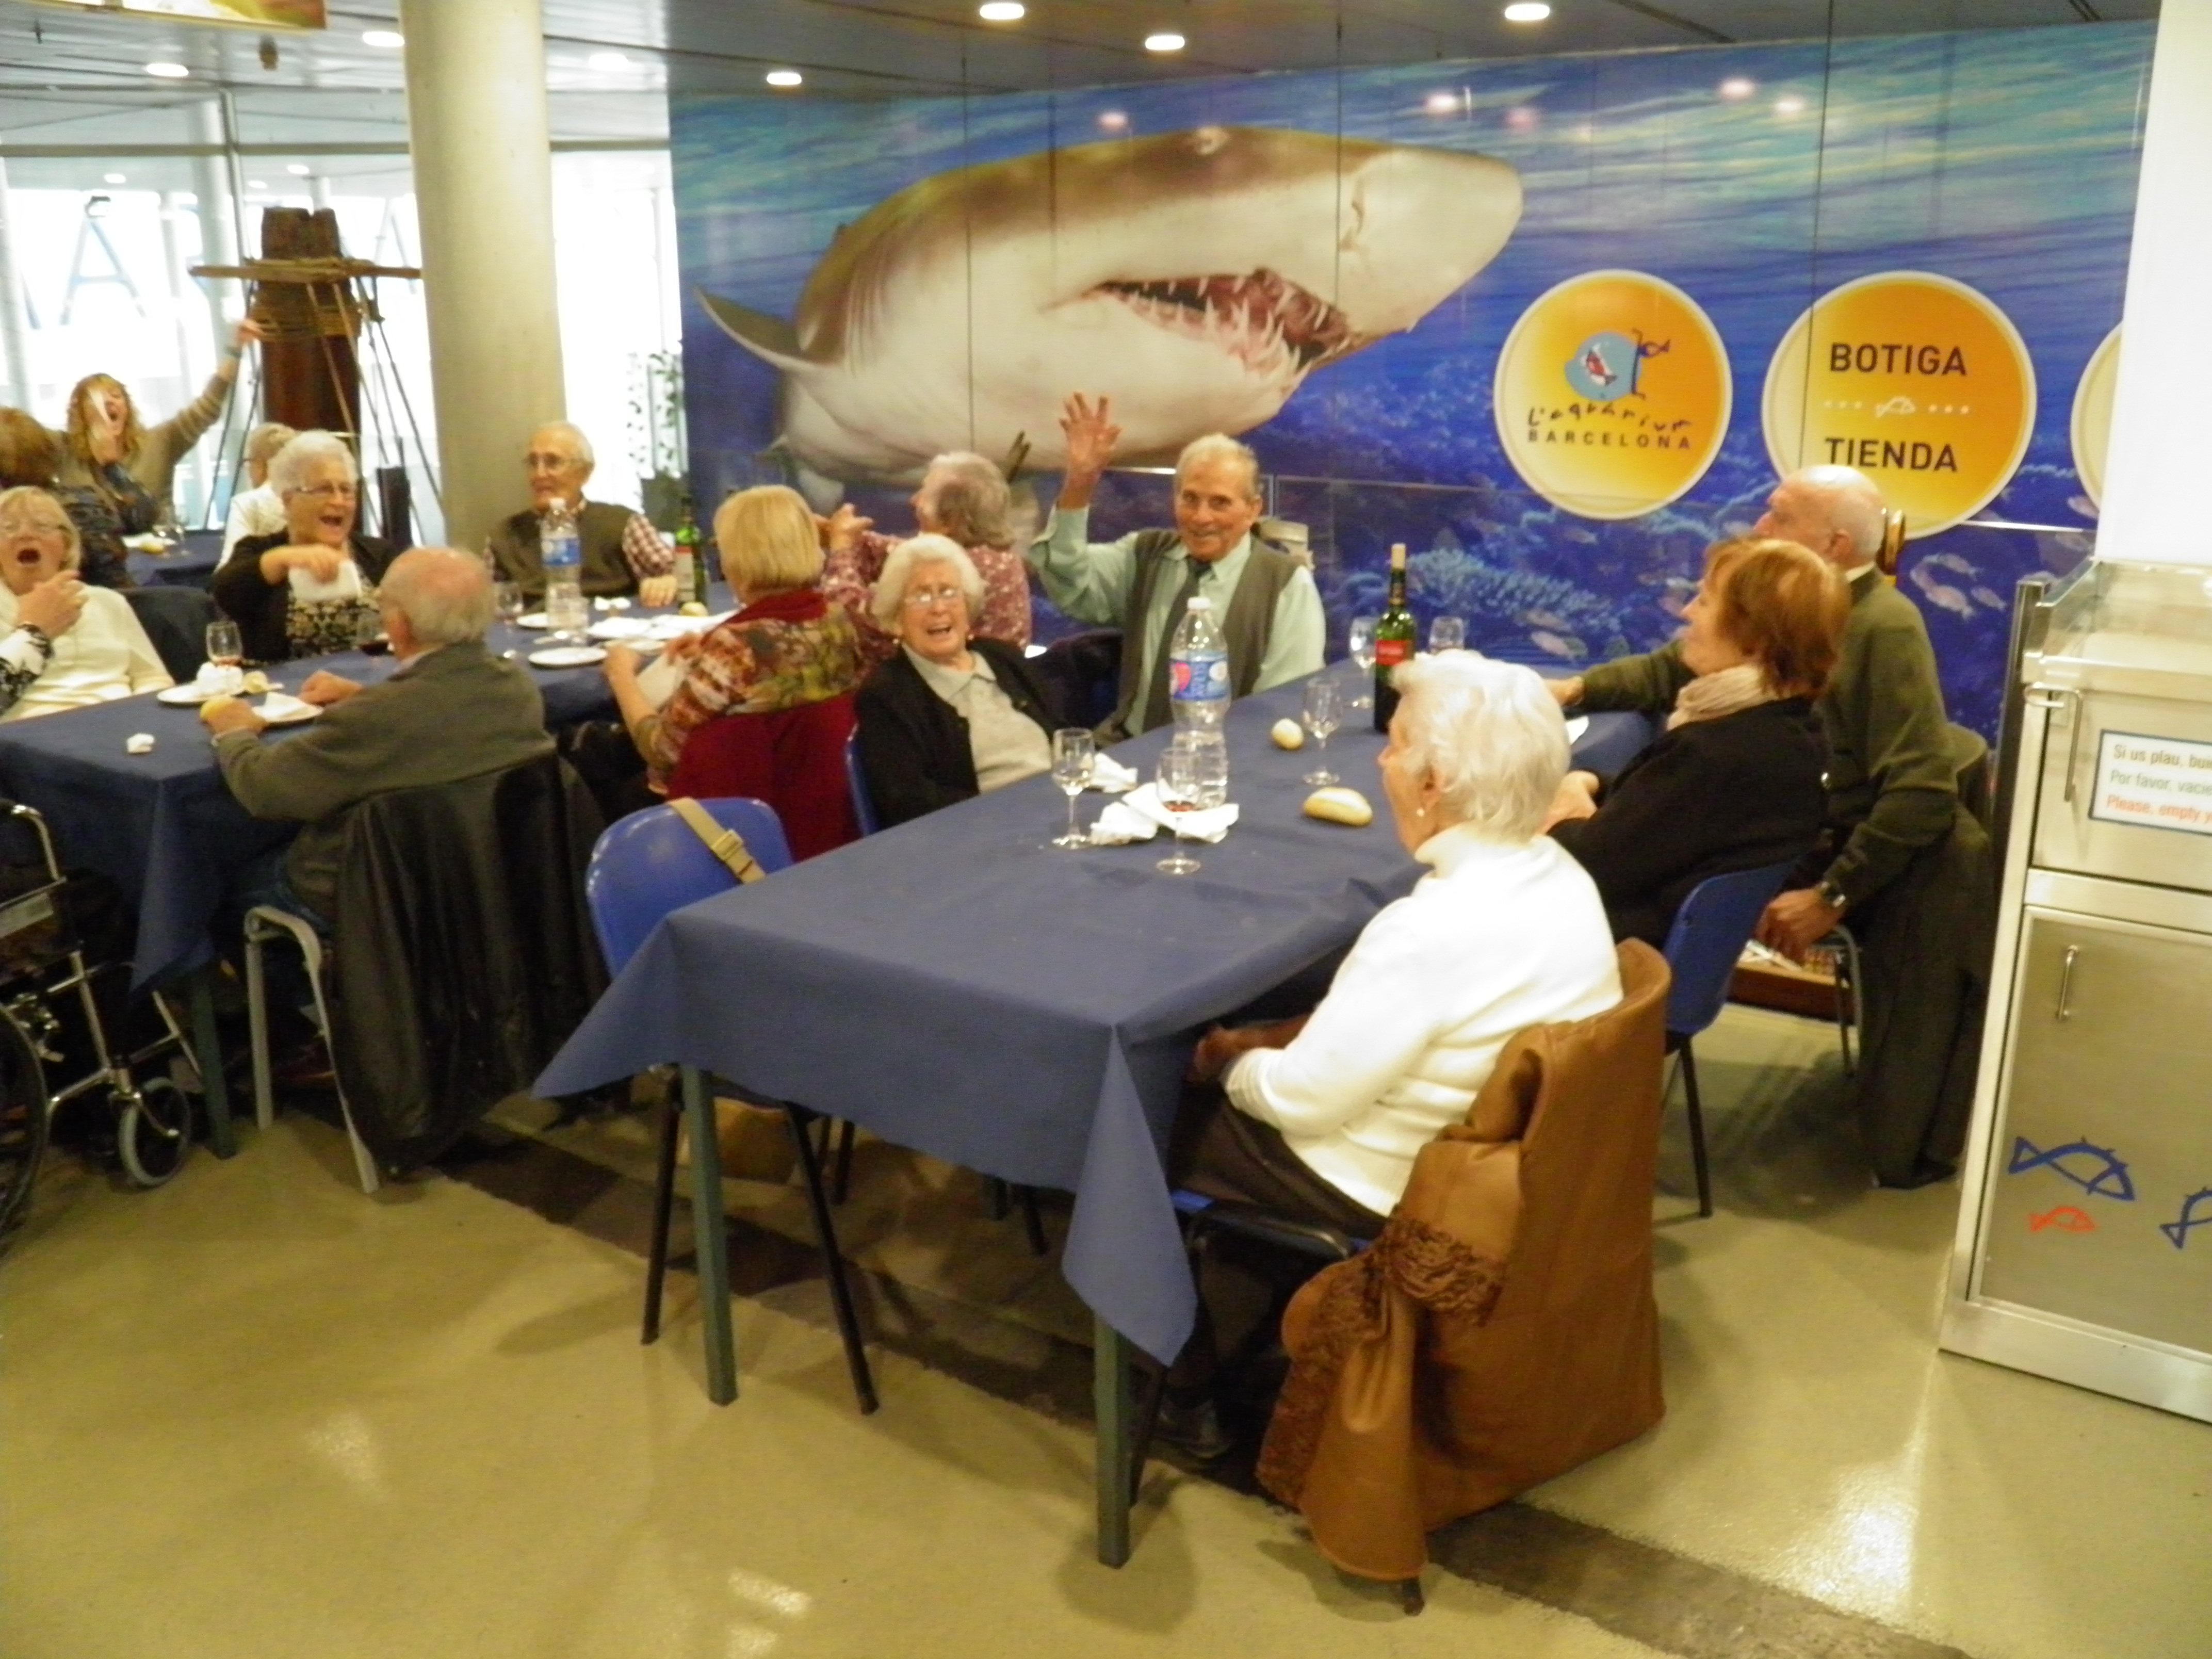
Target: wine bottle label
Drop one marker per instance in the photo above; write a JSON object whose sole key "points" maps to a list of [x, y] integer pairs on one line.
{"points": [[1388, 654]]}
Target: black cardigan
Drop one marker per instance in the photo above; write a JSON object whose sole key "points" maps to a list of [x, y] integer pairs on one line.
{"points": [[914, 746], [1713, 796], [259, 609]]}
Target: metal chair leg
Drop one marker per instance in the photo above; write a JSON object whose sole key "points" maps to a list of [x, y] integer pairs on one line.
{"points": [[999, 1196], [1410, 1596], [841, 1180], [664, 1213], [1847, 998], [1697, 1128], [825, 1233], [1033, 1223]]}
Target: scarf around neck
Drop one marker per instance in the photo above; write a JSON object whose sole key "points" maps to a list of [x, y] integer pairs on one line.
{"points": [[1715, 697]]}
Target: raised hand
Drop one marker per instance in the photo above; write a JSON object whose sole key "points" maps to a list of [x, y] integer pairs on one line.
{"points": [[842, 528], [53, 606], [1090, 434]]}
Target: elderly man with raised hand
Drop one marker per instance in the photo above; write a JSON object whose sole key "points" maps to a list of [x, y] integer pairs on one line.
{"points": [[963, 497], [1900, 860], [1269, 609], [451, 710], [623, 553]]}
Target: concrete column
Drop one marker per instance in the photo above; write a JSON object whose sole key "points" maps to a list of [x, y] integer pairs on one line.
{"points": [[483, 191], [16, 374], [2154, 505], [215, 186]]}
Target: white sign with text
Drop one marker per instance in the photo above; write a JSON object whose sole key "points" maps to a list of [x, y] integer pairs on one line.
{"points": [[2162, 783]]}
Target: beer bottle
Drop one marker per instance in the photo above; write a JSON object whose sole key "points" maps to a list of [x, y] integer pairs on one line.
{"points": [[1393, 640]]}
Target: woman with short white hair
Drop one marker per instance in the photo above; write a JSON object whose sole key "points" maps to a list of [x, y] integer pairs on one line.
{"points": [[310, 588], [63, 644], [952, 715]]}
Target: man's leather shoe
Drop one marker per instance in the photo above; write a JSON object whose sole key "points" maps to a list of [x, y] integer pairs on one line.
{"points": [[308, 1066]]}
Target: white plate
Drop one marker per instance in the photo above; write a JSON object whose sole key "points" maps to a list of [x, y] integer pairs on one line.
{"points": [[288, 712], [620, 628], [569, 656], [189, 694], [1577, 726], [534, 619], [148, 543]]}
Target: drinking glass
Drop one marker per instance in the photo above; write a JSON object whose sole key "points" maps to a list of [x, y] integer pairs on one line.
{"points": [[1323, 713], [1448, 633], [1177, 787], [1361, 643], [1209, 766], [506, 599], [224, 648], [566, 615], [1074, 751]]}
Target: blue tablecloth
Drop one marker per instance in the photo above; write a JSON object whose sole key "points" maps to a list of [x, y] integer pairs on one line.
{"points": [[960, 988], [191, 563], [161, 825]]}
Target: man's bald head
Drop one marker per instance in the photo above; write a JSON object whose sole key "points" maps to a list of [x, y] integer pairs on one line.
{"points": [[434, 596], [1834, 510]]}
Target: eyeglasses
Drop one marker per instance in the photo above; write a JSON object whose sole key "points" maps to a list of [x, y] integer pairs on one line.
{"points": [[32, 527], [538, 462], [333, 491], [918, 598]]}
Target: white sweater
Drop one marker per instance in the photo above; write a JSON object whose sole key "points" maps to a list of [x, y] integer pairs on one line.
{"points": [[1495, 939], [104, 656]]}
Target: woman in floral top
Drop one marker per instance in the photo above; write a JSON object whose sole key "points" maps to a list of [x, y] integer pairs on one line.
{"points": [[786, 647]]}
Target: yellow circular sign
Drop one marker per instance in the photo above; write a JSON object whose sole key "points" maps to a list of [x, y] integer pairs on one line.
{"points": [[2093, 416], [1613, 394], [1916, 380]]}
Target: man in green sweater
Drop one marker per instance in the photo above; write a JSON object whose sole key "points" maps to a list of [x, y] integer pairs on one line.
{"points": [[1901, 861]]}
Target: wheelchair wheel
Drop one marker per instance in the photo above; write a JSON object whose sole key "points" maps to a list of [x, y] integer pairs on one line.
{"points": [[23, 1121], [154, 1135]]}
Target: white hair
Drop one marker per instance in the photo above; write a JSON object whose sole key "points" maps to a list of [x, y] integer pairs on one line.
{"points": [[574, 435], [445, 595], [1220, 446], [287, 471], [1489, 734], [1854, 506], [971, 500], [266, 439], [888, 597]]}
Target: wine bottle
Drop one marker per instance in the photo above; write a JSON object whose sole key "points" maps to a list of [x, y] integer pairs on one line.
{"points": [[1393, 640], [688, 541]]}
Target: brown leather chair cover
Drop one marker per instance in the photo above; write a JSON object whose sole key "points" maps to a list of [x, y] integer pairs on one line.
{"points": [[1502, 1329]]}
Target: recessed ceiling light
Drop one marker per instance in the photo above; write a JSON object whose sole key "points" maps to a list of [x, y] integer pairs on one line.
{"points": [[298, 169], [1002, 11], [169, 71], [1442, 103], [609, 63], [113, 179], [1527, 11], [1114, 120], [257, 184], [389, 39], [1165, 40], [1737, 87], [786, 78], [1790, 106]]}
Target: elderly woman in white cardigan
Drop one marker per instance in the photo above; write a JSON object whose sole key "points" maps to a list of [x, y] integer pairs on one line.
{"points": [[63, 644]]}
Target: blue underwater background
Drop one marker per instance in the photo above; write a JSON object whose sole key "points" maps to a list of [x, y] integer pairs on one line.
{"points": [[2004, 159]]}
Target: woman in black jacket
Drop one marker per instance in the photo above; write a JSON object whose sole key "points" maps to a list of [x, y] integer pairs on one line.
{"points": [[310, 588], [947, 717], [1736, 783]]}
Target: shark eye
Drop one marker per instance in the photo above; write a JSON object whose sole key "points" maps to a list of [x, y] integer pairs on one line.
{"points": [[1355, 218], [1207, 139]]}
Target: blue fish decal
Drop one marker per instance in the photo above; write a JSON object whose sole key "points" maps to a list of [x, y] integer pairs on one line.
{"points": [[2195, 1211], [2107, 1177]]}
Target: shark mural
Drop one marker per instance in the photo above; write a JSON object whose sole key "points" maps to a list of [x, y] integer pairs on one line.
{"points": [[1195, 277]]}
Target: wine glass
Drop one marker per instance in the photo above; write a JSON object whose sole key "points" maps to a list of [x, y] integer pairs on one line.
{"points": [[1360, 640], [226, 651], [1074, 752], [1323, 713], [1177, 787], [1448, 633], [508, 600]]}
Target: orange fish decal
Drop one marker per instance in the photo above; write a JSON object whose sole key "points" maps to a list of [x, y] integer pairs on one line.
{"points": [[2065, 1217]]}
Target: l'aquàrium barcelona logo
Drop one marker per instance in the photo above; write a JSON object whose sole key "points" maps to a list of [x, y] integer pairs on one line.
{"points": [[1613, 394]]}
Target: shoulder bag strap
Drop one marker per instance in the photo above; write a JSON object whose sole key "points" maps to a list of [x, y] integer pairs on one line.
{"points": [[727, 845]]}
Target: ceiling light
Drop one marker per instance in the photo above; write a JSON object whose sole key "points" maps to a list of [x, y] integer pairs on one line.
{"points": [[113, 179], [389, 39], [786, 78], [1792, 105], [1002, 11], [1737, 87], [609, 63], [1165, 40], [1443, 103], [1114, 120], [257, 184], [298, 169], [169, 71], [1527, 11]]}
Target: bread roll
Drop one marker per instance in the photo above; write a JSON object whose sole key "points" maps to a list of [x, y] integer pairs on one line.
{"points": [[1288, 734], [1340, 805]]}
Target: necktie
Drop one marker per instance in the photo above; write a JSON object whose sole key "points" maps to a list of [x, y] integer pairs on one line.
{"points": [[1156, 694]]}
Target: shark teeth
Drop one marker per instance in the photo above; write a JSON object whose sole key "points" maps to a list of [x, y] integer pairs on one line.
{"points": [[1268, 322]]}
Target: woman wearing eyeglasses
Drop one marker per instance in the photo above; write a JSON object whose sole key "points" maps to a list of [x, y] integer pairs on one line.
{"points": [[310, 588], [948, 717], [63, 644]]}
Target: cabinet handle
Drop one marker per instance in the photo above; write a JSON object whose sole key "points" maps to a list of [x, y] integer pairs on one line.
{"points": [[2066, 983]]}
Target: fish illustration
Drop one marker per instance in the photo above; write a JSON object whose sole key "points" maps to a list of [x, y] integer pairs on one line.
{"points": [[2066, 1219], [1995, 601], [2195, 1211], [1558, 645], [1941, 592], [1952, 561], [1574, 532], [1196, 278], [1550, 619], [2083, 504], [2107, 1174]]}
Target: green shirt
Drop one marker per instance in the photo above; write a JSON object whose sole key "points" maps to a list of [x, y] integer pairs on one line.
{"points": [[1892, 779]]}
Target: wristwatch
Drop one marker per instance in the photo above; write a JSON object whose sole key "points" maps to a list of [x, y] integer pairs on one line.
{"points": [[1832, 895]]}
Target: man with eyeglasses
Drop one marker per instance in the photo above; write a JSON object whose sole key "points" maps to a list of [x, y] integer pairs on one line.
{"points": [[623, 553]]}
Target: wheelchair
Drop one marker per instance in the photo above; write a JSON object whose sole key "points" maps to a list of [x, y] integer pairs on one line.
{"points": [[51, 1017]]}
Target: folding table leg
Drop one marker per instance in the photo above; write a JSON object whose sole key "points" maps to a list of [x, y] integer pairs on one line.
{"points": [[711, 1240], [1112, 1401], [209, 1049]]}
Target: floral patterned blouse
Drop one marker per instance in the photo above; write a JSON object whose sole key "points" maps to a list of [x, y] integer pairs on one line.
{"points": [[848, 573], [780, 651]]}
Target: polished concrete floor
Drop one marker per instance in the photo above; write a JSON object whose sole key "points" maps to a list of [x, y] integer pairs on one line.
{"points": [[256, 1414]]}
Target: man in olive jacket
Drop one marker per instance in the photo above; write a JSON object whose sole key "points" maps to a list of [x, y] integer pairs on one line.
{"points": [[1901, 861], [451, 710]]}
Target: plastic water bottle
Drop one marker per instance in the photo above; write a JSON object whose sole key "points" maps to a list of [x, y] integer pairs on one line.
{"points": [[1209, 765], [1198, 669], [563, 551]]}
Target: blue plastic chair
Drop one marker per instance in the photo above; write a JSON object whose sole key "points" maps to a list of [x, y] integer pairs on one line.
{"points": [[1709, 935], [646, 866], [864, 808]]}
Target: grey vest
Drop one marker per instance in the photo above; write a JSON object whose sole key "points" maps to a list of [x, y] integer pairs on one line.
{"points": [[598, 530], [1245, 629]]}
